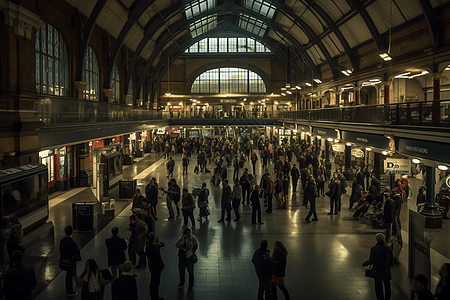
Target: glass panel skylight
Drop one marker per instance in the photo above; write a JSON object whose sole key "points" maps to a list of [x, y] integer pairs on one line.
{"points": [[224, 45], [252, 25], [203, 25], [260, 6], [197, 7]]}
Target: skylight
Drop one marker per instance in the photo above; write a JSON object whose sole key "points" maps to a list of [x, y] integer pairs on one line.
{"points": [[230, 45], [260, 6], [197, 7], [252, 25], [203, 25]]}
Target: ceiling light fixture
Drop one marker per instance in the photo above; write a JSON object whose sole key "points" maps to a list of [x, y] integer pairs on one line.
{"points": [[308, 84], [442, 168], [297, 87], [348, 144], [385, 56], [416, 161], [317, 81], [369, 149], [329, 139]]}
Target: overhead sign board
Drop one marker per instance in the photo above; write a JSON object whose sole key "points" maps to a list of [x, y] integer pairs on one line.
{"points": [[397, 166], [428, 150], [325, 132], [374, 140]]}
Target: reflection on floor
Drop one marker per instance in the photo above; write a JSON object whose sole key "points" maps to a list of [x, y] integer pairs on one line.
{"points": [[324, 260]]}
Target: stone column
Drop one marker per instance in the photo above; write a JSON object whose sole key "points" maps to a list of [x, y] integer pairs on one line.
{"points": [[357, 91], [338, 98], [430, 210], [348, 171], [436, 97], [80, 87], [386, 85], [19, 103], [108, 94]]}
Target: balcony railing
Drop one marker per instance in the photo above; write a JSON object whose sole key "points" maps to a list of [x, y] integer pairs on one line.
{"points": [[54, 111], [413, 113]]}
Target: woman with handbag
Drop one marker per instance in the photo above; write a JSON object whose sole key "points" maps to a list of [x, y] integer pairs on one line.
{"points": [[381, 260], [92, 281], [279, 270], [187, 244]]}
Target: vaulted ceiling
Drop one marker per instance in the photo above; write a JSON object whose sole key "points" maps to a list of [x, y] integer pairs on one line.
{"points": [[317, 32]]}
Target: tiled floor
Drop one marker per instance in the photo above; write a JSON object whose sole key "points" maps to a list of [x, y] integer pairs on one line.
{"points": [[324, 260]]}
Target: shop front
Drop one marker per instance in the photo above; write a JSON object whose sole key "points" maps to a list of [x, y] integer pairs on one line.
{"points": [[175, 111], [60, 168]]}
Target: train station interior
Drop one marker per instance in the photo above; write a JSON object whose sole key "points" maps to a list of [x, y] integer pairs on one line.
{"points": [[95, 95]]}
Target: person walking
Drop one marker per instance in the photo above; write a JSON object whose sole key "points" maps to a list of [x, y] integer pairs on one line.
{"points": [[334, 194], [268, 194], [203, 202], [226, 201], [254, 158], [151, 193], [116, 247], [125, 287], [155, 265], [187, 208], [141, 231], [185, 164], [256, 205], [389, 213], [420, 290], [170, 165], [236, 167], [69, 256], [311, 194], [295, 175], [20, 279], [245, 187], [236, 196], [173, 194], [279, 270], [187, 244], [261, 261], [382, 260], [443, 287]]}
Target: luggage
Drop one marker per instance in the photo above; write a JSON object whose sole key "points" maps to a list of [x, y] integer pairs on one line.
{"points": [[360, 211], [378, 219]]}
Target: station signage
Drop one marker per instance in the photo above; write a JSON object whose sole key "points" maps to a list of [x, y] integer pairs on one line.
{"points": [[379, 141], [325, 132], [397, 166], [428, 150]]}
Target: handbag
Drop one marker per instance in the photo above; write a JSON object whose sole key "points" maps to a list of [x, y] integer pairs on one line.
{"points": [[369, 272], [65, 263], [194, 258]]}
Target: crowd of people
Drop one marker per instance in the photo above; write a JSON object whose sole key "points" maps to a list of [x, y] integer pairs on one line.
{"points": [[297, 169]]}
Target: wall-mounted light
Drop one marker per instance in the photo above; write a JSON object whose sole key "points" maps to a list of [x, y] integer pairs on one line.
{"points": [[416, 161]]}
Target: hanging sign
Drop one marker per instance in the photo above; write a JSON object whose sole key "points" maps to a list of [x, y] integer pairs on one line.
{"points": [[397, 166], [358, 153]]}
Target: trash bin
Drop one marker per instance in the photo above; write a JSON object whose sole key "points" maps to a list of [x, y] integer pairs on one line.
{"points": [[127, 188], [84, 217]]}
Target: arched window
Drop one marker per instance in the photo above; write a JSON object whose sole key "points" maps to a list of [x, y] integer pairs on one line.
{"points": [[115, 84], [52, 64], [90, 75], [227, 45], [228, 80]]}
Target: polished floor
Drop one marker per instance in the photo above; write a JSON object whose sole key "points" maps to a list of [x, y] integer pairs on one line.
{"points": [[324, 260]]}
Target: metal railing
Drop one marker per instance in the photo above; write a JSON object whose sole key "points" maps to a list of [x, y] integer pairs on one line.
{"points": [[225, 115], [413, 113], [54, 111]]}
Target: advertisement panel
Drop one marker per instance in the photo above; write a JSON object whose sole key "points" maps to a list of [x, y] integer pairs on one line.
{"points": [[397, 166]]}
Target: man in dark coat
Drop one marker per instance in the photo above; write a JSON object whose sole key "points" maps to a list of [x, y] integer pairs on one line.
{"points": [[420, 288], [116, 253], [389, 214], [125, 287], [335, 194], [68, 250], [382, 260], [256, 205], [155, 265], [295, 174], [20, 280], [226, 201], [360, 177], [151, 193], [261, 261], [245, 186]]}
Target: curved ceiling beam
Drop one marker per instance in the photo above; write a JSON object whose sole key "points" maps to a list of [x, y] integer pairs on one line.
{"points": [[432, 21], [281, 55], [332, 25], [87, 36], [358, 7], [136, 10], [314, 38], [152, 26]]}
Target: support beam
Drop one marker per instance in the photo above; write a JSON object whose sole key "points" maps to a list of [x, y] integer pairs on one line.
{"points": [[87, 36], [432, 21]]}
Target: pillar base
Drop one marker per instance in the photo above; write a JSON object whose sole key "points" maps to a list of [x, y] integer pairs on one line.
{"points": [[433, 217], [349, 174]]}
